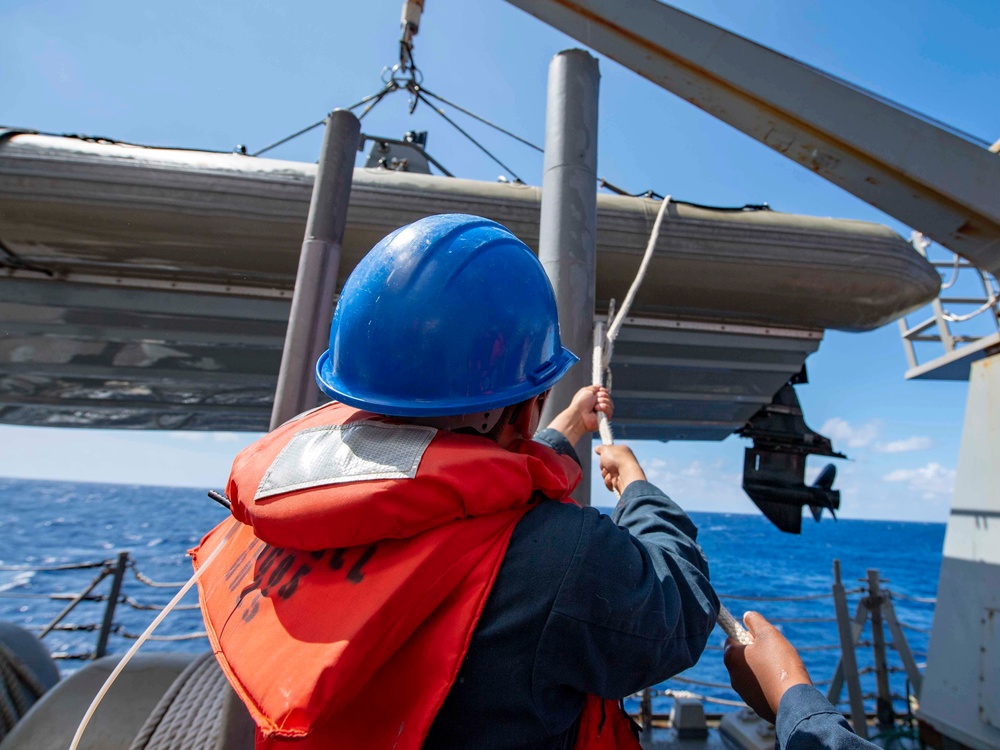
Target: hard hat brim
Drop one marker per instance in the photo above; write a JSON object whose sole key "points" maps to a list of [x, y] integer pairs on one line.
{"points": [[327, 381]]}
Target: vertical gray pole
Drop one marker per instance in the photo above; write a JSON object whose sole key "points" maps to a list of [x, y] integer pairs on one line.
{"points": [[316, 280], [567, 245], [902, 647], [109, 609], [646, 716], [837, 683], [847, 656], [883, 697]]}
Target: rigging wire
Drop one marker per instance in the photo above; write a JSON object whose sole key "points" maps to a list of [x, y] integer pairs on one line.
{"points": [[458, 127], [377, 96], [483, 120]]}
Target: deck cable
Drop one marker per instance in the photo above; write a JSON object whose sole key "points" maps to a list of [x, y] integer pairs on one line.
{"points": [[481, 147], [483, 120], [144, 579], [51, 568], [12, 260], [917, 599], [803, 598], [19, 689], [129, 601], [675, 694], [373, 98]]}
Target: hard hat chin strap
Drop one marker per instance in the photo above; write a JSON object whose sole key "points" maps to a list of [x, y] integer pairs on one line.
{"points": [[480, 421]]}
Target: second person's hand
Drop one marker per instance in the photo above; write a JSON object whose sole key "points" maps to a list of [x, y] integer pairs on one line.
{"points": [[619, 467], [764, 670]]}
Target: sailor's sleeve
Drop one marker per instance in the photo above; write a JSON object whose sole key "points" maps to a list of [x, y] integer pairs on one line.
{"points": [[807, 721], [635, 606]]}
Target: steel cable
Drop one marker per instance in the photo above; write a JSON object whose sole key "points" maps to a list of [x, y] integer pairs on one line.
{"points": [[51, 568], [483, 120], [459, 128], [377, 96], [156, 584], [803, 598]]}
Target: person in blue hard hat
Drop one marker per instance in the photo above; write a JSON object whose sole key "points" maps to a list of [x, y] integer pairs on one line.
{"points": [[770, 676], [430, 583]]}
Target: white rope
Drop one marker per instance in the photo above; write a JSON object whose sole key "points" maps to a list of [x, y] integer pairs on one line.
{"points": [[135, 647], [603, 346], [731, 626]]}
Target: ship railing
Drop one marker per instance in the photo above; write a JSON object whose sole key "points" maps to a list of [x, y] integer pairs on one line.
{"points": [[873, 612], [114, 569], [869, 598], [964, 320]]}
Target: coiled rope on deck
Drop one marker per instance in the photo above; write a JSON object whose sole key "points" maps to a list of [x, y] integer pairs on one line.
{"points": [[604, 344], [188, 713], [19, 689]]}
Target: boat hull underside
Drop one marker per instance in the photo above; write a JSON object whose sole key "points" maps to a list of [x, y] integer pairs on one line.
{"points": [[172, 273]]}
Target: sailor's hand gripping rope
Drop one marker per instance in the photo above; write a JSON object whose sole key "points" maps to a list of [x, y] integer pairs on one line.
{"points": [[604, 343]]}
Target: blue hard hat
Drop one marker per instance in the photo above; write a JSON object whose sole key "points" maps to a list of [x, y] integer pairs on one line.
{"points": [[449, 315]]}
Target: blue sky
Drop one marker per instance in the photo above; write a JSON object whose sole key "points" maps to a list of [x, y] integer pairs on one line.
{"points": [[213, 75]]}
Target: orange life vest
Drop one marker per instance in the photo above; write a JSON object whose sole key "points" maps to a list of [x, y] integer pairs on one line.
{"points": [[355, 569]]}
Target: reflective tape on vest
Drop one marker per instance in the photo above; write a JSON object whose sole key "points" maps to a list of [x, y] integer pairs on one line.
{"points": [[336, 454]]}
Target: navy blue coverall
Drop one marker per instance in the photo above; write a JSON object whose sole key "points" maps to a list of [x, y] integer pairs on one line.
{"points": [[807, 721], [583, 603]]}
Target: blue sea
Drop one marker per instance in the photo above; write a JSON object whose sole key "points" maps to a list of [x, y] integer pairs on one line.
{"points": [[46, 524]]}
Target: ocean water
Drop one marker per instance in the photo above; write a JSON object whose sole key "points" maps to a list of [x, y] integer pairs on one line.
{"points": [[44, 524]]}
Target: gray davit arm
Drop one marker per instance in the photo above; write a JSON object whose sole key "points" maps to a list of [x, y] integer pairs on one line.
{"points": [[920, 172]]}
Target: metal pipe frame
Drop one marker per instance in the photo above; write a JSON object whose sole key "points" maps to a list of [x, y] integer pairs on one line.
{"points": [[316, 280], [916, 170], [567, 230]]}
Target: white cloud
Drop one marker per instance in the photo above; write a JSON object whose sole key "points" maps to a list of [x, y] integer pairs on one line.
{"points": [[191, 437], [931, 481], [914, 443], [216, 437], [692, 470], [842, 433]]}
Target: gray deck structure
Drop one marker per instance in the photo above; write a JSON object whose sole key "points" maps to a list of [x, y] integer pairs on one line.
{"points": [[165, 277]]}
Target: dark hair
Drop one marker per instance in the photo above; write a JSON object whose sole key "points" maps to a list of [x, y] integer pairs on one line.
{"points": [[508, 416]]}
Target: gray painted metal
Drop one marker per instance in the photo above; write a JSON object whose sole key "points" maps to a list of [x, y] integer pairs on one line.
{"points": [[915, 170], [316, 279], [963, 661], [839, 674], [160, 218], [80, 355], [28, 647], [848, 666], [166, 311], [883, 696], [53, 720], [954, 365], [901, 646], [567, 232]]}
